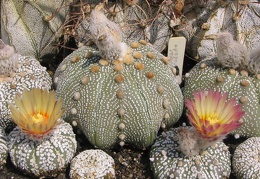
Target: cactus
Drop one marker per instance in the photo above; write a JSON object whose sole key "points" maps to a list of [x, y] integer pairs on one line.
{"points": [[197, 151], [16, 73], [245, 160], [204, 19], [122, 99], [168, 162], [244, 88], [92, 164], [33, 27], [42, 144], [231, 72], [140, 20], [3, 148]]}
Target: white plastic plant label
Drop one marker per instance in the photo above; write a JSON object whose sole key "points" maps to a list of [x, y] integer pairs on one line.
{"points": [[176, 51]]}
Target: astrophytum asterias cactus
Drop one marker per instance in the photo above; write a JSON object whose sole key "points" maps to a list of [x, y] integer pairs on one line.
{"points": [[16, 73], [197, 151], [205, 18], [3, 148], [42, 144], [33, 26], [229, 72], [246, 159], [92, 164], [238, 85], [122, 99], [168, 162]]}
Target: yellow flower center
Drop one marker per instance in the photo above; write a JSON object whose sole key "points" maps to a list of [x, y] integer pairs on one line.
{"points": [[212, 118], [39, 118]]}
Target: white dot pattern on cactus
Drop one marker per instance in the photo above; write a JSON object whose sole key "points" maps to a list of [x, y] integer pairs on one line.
{"points": [[113, 97], [246, 159], [238, 86], [168, 161]]}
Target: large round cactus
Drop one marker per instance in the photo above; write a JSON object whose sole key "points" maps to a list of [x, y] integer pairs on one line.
{"points": [[121, 98], [205, 18], [33, 26], [16, 73]]}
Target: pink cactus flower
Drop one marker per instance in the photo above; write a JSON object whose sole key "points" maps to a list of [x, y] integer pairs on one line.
{"points": [[212, 115]]}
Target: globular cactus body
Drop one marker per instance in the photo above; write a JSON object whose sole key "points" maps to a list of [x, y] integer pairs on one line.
{"points": [[44, 156], [168, 161], [205, 19], [120, 101], [239, 85], [93, 163], [3, 148], [17, 73], [245, 160], [33, 27], [41, 144]]}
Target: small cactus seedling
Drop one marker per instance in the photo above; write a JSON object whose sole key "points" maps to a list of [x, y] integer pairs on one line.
{"points": [[16, 73], [246, 159], [93, 163], [120, 93], [42, 144], [197, 151]]}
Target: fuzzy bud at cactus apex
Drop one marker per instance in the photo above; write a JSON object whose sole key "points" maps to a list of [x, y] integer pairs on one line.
{"points": [[8, 59], [107, 35], [231, 53]]}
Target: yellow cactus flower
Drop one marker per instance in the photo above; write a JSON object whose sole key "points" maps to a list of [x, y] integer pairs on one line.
{"points": [[36, 111], [212, 115]]}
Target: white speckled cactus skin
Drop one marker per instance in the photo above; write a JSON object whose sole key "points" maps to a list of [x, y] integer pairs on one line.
{"points": [[168, 162], [92, 164], [239, 85], [33, 26], [3, 148], [43, 156], [245, 160], [29, 74], [216, 16], [122, 101]]}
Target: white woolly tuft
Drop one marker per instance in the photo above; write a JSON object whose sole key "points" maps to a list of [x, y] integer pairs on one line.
{"points": [[107, 35], [231, 53], [192, 144]]}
